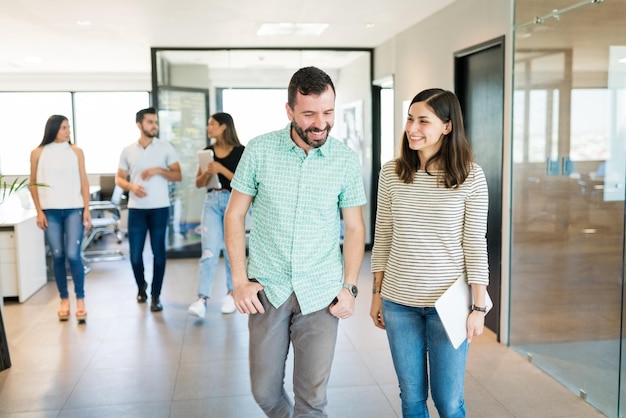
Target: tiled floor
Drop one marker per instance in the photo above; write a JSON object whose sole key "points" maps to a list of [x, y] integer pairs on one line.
{"points": [[129, 362]]}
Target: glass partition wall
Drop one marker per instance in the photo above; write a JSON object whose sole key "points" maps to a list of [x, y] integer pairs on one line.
{"points": [[567, 249], [190, 84]]}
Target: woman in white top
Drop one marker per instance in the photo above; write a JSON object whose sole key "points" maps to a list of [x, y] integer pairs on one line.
{"points": [[431, 223], [62, 207]]}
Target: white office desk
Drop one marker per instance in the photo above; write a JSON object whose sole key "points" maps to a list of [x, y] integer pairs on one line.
{"points": [[22, 251]]}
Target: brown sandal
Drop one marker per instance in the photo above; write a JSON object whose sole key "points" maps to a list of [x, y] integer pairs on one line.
{"points": [[64, 311], [81, 313]]}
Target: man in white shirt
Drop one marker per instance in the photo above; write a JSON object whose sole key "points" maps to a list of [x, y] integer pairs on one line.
{"points": [[149, 165]]}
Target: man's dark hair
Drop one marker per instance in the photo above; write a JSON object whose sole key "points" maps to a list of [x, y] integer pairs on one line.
{"points": [[141, 113], [308, 80]]}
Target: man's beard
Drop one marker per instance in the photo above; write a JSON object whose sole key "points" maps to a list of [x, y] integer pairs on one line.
{"points": [[149, 134], [302, 133]]}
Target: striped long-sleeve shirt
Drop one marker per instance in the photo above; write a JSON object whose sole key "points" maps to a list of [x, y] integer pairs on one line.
{"points": [[428, 235]]}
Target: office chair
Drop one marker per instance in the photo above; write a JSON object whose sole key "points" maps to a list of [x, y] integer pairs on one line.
{"points": [[105, 219]]}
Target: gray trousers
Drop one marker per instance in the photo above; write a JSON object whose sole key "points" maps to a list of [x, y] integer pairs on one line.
{"points": [[313, 338]]}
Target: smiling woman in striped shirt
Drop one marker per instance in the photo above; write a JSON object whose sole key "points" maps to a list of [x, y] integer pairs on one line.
{"points": [[431, 224]]}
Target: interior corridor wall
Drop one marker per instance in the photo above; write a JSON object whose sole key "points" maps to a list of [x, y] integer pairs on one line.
{"points": [[422, 57]]}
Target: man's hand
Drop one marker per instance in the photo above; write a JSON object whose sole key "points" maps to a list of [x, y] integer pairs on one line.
{"points": [[148, 173], [344, 307], [247, 298], [138, 190]]}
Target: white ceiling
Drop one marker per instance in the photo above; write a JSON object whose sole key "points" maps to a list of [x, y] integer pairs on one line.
{"points": [[122, 32]]}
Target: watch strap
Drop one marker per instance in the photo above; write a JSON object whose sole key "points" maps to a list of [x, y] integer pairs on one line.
{"points": [[351, 288], [479, 309]]}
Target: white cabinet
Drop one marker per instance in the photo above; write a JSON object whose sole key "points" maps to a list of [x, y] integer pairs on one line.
{"points": [[8, 266], [22, 255]]}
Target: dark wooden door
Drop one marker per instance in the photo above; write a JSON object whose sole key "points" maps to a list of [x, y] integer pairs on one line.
{"points": [[479, 84]]}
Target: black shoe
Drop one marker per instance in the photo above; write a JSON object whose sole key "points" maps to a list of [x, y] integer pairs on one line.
{"points": [[155, 305], [142, 297]]}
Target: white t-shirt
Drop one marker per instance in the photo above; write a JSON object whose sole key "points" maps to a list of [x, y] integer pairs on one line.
{"points": [[135, 159]]}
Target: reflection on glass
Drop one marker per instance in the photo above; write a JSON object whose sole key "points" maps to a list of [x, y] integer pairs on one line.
{"points": [[182, 121], [591, 116], [548, 68], [567, 246], [537, 126]]}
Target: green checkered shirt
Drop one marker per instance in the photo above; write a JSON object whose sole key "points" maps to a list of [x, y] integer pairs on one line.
{"points": [[295, 231]]}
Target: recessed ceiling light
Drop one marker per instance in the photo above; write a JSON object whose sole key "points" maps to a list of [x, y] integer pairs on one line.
{"points": [[300, 29], [83, 23], [370, 25], [622, 60]]}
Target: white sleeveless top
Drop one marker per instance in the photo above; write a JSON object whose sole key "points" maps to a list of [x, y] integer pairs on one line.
{"points": [[58, 168]]}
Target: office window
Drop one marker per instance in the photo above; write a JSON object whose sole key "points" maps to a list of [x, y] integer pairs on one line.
{"points": [[255, 111], [105, 123], [538, 125], [23, 118], [387, 138]]}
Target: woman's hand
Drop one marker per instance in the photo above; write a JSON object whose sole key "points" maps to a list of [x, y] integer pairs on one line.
{"points": [[42, 221], [376, 311], [87, 220], [475, 324], [214, 168]]}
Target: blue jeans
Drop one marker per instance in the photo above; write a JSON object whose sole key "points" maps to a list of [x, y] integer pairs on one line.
{"points": [[64, 235], [416, 335], [140, 222], [213, 241], [313, 337]]}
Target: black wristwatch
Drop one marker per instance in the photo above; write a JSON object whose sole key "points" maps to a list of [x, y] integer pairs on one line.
{"points": [[352, 288], [479, 309]]}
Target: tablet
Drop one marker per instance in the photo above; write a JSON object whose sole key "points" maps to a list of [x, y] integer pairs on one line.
{"points": [[453, 307], [204, 158]]}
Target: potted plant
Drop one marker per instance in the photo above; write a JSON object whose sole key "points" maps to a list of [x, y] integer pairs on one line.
{"points": [[7, 189]]}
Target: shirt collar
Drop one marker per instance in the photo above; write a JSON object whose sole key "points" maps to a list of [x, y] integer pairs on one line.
{"points": [[287, 143], [138, 144]]}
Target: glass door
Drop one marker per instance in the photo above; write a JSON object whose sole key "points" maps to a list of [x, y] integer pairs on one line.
{"points": [[183, 115], [221, 73], [567, 239]]}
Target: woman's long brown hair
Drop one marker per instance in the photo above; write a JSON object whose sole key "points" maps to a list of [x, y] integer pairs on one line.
{"points": [[455, 157]]}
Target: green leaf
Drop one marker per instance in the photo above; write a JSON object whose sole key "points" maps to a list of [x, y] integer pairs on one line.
{"points": [[7, 189]]}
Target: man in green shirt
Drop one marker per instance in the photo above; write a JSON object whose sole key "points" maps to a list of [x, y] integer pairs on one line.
{"points": [[296, 285]]}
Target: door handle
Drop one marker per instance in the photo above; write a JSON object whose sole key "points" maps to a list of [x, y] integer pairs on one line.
{"points": [[568, 166], [552, 167]]}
